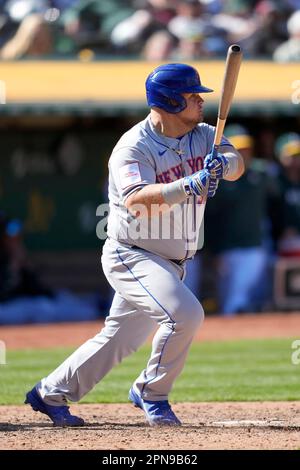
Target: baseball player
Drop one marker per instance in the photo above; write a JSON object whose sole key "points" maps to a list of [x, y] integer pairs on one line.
{"points": [[162, 163]]}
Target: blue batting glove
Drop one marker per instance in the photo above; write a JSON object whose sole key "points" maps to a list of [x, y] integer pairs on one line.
{"points": [[212, 187], [217, 165], [197, 184]]}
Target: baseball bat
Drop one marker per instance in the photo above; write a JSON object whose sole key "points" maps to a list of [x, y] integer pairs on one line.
{"points": [[232, 67]]}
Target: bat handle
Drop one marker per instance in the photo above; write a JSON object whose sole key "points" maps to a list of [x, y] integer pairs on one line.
{"points": [[214, 151], [218, 136]]}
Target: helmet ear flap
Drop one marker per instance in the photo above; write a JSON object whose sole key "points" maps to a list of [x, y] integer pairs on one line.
{"points": [[177, 101], [167, 99]]}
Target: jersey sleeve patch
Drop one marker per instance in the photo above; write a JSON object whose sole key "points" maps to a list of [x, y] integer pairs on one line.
{"points": [[130, 174]]}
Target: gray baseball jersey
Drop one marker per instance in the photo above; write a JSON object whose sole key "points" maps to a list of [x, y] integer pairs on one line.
{"points": [[141, 157], [148, 282]]}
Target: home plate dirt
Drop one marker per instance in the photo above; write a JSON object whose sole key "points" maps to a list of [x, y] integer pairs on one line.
{"points": [[239, 425], [247, 425]]}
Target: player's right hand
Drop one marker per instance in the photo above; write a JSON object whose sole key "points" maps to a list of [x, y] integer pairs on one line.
{"points": [[197, 184], [212, 187]]}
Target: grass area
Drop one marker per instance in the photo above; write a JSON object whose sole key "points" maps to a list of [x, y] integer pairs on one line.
{"points": [[215, 371]]}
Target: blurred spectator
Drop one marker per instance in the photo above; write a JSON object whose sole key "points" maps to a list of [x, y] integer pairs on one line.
{"points": [[17, 276], [43, 27], [89, 23], [154, 29], [196, 35], [293, 4], [240, 207], [33, 38], [158, 47], [141, 30], [237, 21], [24, 298], [288, 151], [30, 26], [270, 17], [7, 26], [289, 51], [212, 6]]}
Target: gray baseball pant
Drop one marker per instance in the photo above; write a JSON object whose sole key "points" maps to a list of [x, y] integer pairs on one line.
{"points": [[149, 292]]}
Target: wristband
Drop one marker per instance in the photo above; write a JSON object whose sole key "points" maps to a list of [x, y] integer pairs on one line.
{"points": [[174, 193]]}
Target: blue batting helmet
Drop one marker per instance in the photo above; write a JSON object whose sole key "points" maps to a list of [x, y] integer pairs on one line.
{"points": [[165, 85]]}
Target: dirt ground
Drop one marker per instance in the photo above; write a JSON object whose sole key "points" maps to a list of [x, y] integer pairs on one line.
{"points": [[205, 426], [214, 329], [266, 425]]}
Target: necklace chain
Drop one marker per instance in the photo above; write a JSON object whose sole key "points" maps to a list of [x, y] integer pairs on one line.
{"points": [[178, 151], [161, 136]]}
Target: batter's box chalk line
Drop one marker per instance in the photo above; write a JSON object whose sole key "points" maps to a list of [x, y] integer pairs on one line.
{"points": [[263, 423]]}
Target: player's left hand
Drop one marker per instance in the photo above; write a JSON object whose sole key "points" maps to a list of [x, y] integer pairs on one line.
{"points": [[217, 165]]}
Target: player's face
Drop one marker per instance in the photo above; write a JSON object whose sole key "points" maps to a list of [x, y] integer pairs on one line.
{"points": [[193, 113]]}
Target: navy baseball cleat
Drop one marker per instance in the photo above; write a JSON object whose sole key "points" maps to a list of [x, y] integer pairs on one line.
{"points": [[60, 415], [158, 413]]}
